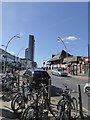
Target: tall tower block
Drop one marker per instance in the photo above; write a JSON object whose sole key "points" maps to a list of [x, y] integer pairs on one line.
{"points": [[31, 47]]}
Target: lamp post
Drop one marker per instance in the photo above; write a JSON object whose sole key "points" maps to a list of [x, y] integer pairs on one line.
{"points": [[19, 53], [5, 61], [60, 39]]}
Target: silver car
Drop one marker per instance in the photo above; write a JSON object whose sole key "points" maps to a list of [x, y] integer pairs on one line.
{"points": [[87, 88], [59, 72]]}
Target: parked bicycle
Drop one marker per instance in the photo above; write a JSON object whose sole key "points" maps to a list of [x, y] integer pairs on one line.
{"points": [[41, 104], [9, 83], [22, 98], [67, 106]]}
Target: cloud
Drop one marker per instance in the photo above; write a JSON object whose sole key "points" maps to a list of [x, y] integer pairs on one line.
{"points": [[72, 38]]}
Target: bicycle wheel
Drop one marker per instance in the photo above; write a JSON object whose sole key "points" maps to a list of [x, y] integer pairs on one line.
{"points": [[74, 107], [63, 111], [59, 103], [64, 116], [13, 99], [18, 104], [28, 113]]}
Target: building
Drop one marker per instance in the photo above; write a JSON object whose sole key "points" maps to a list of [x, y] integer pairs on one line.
{"points": [[3, 55], [73, 64], [57, 60], [29, 52], [27, 63]]}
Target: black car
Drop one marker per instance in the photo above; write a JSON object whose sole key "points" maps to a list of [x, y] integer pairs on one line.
{"points": [[38, 76]]}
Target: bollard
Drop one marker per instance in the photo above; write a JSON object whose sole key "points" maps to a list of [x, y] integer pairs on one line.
{"points": [[80, 102]]}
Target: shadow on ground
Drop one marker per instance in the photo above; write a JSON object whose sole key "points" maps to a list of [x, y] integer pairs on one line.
{"points": [[55, 91], [6, 113], [6, 96]]}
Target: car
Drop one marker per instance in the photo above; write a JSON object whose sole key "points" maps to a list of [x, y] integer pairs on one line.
{"points": [[59, 72], [87, 88], [38, 76]]}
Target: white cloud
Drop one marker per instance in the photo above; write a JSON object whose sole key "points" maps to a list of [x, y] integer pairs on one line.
{"points": [[72, 38]]}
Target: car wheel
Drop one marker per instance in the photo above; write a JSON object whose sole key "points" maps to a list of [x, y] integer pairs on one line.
{"points": [[87, 90]]}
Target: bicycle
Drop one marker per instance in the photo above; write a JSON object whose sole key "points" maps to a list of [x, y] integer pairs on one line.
{"points": [[9, 83], [41, 103], [22, 98], [67, 105]]}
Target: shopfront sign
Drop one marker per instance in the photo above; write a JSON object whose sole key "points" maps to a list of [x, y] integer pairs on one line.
{"points": [[86, 59]]}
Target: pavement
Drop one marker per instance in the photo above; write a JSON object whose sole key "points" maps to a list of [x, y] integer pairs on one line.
{"points": [[6, 112]]}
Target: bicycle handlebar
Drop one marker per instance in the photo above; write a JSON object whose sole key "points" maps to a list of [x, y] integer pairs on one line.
{"points": [[67, 89]]}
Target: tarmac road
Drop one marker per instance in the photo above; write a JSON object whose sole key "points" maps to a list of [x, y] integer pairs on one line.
{"points": [[72, 82]]}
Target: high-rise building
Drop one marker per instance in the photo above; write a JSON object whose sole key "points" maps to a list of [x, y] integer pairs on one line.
{"points": [[27, 55], [29, 52]]}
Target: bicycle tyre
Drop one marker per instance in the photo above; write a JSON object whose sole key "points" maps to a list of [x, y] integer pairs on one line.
{"points": [[18, 104], [63, 111], [28, 113], [59, 103], [13, 99], [74, 106]]}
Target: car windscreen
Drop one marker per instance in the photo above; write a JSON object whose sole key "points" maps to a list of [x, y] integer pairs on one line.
{"points": [[28, 72]]}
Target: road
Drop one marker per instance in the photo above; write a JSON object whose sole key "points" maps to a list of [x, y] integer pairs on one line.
{"points": [[72, 83]]}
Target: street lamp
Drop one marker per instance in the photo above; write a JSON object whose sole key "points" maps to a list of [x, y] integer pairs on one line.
{"points": [[15, 36], [19, 53], [60, 39]]}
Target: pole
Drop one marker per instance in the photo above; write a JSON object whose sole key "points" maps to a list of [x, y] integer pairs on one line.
{"points": [[49, 90], [80, 102], [65, 47], [17, 35], [88, 60]]}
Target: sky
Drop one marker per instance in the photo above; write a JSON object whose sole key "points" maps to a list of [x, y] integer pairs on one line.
{"points": [[46, 21]]}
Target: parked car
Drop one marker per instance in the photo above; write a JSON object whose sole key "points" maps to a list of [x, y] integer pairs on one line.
{"points": [[59, 72], [87, 88], [38, 76]]}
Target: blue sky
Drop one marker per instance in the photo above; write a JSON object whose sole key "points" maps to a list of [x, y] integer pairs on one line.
{"points": [[46, 21]]}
